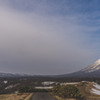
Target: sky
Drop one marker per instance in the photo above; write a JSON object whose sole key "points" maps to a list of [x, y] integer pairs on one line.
{"points": [[48, 37]]}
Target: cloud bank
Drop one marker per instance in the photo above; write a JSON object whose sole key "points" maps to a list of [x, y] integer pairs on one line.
{"points": [[35, 43]]}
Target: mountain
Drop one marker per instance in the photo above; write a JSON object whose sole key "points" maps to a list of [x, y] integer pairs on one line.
{"points": [[92, 70], [6, 75], [13, 75]]}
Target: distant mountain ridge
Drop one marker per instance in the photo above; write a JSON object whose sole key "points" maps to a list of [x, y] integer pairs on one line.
{"points": [[92, 70], [12, 75]]}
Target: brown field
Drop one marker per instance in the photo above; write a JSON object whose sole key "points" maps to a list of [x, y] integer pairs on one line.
{"points": [[63, 99], [85, 89], [19, 96]]}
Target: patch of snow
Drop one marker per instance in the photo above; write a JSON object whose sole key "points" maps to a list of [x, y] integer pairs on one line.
{"points": [[16, 92], [5, 82], [90, 70], [95, 66], [98, 68], [47, 83], [50, 87], [10, 86], [95, 91], [98, 61], [69, 83], [97, 86]]}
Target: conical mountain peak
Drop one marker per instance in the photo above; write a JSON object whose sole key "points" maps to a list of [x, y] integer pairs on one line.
{"points": [[98, 61], [94, 67], [92, 70]]}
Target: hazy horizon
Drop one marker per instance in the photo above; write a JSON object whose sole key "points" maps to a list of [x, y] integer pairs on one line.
{"points": [[48, 37]]}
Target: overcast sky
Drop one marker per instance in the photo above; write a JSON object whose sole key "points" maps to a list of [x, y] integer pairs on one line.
{"points": [[43, 37]]}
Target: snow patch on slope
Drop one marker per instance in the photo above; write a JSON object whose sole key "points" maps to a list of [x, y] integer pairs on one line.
{"points": [[97, 86], [96, 89], [94, 67]]}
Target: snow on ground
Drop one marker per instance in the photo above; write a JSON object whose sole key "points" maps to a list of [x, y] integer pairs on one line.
{"points": [[69, 83], [88, 82], [5, 82], [11, 86], [47, 83], [97, 86], [50, 87], [95, 91]]}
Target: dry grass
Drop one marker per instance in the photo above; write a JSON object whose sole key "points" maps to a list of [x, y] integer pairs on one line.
{"points": [[85, 89], [28, 97], [19, 96], [58, 98]]}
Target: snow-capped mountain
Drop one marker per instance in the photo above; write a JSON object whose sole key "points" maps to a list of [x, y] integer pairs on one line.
{"points": [[94, 67], [92, 70]]}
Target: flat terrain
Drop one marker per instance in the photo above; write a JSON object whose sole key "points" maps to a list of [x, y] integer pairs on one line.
{"points": [[42, 96]]}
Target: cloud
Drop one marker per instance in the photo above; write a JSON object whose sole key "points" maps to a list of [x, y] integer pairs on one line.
{"points": [[35, 43]]}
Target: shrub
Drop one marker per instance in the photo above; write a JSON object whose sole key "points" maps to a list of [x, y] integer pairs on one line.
{"points": [[31, 89], [67, 91], [26, 89], [56, 89]]}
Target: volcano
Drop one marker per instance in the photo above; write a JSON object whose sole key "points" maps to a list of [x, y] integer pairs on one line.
{"points": [[92, 70]]}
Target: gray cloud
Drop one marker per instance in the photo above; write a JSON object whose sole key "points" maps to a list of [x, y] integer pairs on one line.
{"points": [[39, 44]]}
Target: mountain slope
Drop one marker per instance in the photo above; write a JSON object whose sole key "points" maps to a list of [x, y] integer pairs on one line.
{"points": [[13, 75], [92, 70]]}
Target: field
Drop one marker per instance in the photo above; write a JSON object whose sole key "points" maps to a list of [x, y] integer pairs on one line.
{"points": [[85, 89], [63, 99], [19, 96]]}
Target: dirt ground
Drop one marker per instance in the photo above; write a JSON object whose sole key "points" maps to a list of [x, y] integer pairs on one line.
{"points": [[58, 98], [19, 96]]}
